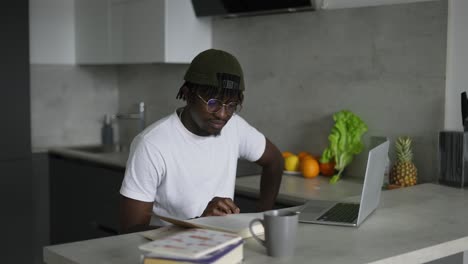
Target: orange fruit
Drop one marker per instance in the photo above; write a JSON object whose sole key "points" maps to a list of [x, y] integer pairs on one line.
{"points": [[310, 168], [303, 158], [308, 156], [302, 154], [287, 154]]}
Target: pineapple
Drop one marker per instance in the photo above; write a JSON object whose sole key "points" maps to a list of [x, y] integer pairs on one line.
{"points": [[404, 173]]}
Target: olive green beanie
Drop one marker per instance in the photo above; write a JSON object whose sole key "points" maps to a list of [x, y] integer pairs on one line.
{"points": [[216, 68]]}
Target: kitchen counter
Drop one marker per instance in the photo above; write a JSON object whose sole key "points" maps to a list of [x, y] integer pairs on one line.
{"points": [[412, 225], [296, 189], [118, 160], [114, 159]]}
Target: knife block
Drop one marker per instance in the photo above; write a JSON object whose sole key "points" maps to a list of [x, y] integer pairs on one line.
{"points": [[453, 158]]}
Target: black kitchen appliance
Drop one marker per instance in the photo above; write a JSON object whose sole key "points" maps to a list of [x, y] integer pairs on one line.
{"points": [[453, 152], [235, 8]]}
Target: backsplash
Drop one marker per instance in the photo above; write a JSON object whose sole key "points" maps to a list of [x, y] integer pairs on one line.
{"points": [[69, 102], [156, 85]]}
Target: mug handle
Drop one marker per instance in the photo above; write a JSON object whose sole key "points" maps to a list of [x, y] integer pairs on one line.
{"points": [[261, 241]]}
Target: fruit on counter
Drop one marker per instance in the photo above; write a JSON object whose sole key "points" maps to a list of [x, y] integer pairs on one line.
{"points": [[310, 168], [404, 172], [291, 163], [303, 154], [345, 141], [328, 168], [303, 158], [307, 156], [286, 154]]}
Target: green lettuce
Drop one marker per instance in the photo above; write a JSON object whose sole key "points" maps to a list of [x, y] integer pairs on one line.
{"points": [[345, 141]]}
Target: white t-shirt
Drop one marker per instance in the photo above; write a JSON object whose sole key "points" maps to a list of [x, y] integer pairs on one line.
{"points": [[181, 172]]}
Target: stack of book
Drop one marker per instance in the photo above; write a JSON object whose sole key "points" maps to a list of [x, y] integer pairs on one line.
{"points": [[194, 246]]}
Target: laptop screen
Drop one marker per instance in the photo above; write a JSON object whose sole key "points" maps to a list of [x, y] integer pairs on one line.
{"points": [[372, 187], [357, 168]]}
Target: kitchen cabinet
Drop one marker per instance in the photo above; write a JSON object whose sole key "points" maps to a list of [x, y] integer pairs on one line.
{"points": [[52, 31], [15, 139], [92, 42], [84, 199], [16, 200], [17, 216], [139, 31]]}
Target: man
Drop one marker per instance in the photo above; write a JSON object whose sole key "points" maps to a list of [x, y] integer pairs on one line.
{"points": [[184, 165]]}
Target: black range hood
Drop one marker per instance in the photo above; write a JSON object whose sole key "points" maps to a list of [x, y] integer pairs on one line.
{"points": [[235, 8]]}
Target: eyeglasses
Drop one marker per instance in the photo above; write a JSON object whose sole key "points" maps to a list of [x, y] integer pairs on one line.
{"points": [[215, 105]]}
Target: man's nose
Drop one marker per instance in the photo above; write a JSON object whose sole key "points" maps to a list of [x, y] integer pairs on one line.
{"points": [[222, 113]]}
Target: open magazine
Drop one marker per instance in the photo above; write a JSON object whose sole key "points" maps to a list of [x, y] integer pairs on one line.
{"points": [[232, 223]]}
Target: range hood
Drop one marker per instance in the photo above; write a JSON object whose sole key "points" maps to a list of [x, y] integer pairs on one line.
{"points": [[235, 8]]}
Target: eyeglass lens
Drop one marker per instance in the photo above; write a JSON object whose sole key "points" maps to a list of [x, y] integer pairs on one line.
{"points": [[214, 105]]}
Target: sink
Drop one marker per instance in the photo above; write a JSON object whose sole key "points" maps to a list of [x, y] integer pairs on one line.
{"points": [[96, 149]]}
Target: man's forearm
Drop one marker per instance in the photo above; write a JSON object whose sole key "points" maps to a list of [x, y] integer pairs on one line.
{"points": [[269, 185], [272, 164]]}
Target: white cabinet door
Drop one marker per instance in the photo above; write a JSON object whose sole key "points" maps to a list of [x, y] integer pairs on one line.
{"points": [[92, 32], [186, 35], [139, 31]]}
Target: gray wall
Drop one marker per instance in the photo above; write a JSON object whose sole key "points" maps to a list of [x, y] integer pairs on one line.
{"points": [[386, 64], [157, 85], [69, 102]]}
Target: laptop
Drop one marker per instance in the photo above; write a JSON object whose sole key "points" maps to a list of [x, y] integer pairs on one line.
{"points": [[346, 213]]}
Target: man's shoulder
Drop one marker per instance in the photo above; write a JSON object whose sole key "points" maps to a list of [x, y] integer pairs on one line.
{"points": [[238, 122], [159, 129], [161, 124]]}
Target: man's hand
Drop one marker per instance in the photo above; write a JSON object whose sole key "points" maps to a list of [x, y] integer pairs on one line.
{"points": [[220, 206]]}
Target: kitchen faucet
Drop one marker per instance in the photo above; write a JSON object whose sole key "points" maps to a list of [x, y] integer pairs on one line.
{"points": [[140, 116]]}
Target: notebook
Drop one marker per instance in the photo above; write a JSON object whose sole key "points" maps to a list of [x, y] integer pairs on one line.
{"points": [[192, 243], [227, 255], [352, 214]]}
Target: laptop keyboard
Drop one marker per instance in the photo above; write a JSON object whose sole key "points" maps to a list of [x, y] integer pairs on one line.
{"points": [[341, 212]]}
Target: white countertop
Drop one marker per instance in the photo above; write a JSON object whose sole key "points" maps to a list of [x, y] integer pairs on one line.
{"points": [[296, 189], [114, 159], [412, 225]]}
